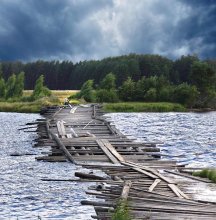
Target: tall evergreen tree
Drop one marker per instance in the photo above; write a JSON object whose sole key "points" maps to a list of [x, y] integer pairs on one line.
{"points": [[127, 90], [203, 76], [86, 91], [40, 90], [2, 88], [19, 85], [108, 82], [10, 86]]}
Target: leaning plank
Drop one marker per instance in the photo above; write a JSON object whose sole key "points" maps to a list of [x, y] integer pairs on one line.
{"points": [[177, 191], [74, 133], [72, 111], [63, 148], [154, 184], [112, 150], [125, 190], [107, 152], [156, 173], [144, 172], [188, 176]]}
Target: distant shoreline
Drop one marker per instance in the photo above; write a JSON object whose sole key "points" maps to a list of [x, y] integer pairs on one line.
{"points": [[124, 107]]}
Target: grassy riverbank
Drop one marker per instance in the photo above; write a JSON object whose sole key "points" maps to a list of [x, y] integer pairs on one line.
{"points": [[144, 107], [58, 97], [60, 94], [207, 173], [28, 107], [19, 105]]}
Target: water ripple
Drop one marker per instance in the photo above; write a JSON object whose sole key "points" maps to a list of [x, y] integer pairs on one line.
{"points": [[191, 135], [22, 194]]}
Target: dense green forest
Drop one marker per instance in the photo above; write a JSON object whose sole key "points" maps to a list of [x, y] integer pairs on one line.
{"points": [[187, 80], [69, 75]]}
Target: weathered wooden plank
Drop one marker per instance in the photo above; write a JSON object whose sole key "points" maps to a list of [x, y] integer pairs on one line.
{"points": [[154, 184], [177, 191], [125, 190], [61, 129], [107, 152], [61, 145], [144, 172], [73, 110], [74, 134], [151, 170], [112, 150], [188, 176]]}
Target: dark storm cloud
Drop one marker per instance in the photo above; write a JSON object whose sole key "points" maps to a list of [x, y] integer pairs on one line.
{"points": [[47, 28], [200, 27], [88, 29]]}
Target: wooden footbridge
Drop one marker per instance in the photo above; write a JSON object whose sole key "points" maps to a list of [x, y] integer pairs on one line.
{"points": [[133, 171]]}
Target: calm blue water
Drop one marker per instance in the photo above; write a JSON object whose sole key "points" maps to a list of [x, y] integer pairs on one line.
{"points": [[22, 194], [187, 137]]}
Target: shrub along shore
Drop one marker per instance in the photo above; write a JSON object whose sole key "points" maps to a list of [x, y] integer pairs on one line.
{"points": [[143, 107], [28, 107], [36, 106]]}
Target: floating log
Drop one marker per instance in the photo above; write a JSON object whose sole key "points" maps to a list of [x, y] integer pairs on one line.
{"points": [[89, 176]]}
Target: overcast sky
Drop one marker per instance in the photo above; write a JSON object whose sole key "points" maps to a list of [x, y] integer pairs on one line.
{"points": [[93, 29]]}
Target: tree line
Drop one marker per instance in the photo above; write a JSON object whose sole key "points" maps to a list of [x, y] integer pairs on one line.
{"points": [[69, 75], [12, 88], [187, 80], [200, 92]]}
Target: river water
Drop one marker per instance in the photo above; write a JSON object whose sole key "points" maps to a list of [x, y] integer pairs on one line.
{"points": [[22, 194], [187, 137]]}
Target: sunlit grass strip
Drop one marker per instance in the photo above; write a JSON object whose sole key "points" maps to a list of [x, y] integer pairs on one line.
{"points": [[60, 94], [206, 173], [28, 107], [143, 107], [24, 107]]}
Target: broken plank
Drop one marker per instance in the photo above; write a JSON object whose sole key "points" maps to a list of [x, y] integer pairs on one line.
{"points": [[112, 150], [154, 184], [107, 152]]}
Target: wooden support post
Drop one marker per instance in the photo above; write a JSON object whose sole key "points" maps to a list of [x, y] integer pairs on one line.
{"points": [[125, 190], [47, 127], [62, 147], [93, 111], [61, 129]]}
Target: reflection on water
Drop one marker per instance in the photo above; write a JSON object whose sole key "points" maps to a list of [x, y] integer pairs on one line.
{"points": [[187, 137], [22, 194]]}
